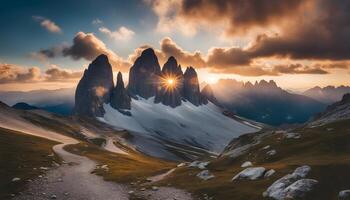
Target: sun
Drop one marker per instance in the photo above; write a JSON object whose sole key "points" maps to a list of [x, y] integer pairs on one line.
{"points": [[170, 81]]}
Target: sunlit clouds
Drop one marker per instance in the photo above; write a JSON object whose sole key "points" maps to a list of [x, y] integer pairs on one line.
{"points": [[48, 24]]}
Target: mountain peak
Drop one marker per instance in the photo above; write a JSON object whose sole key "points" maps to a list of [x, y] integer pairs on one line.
{"points": [[94, 88], [143, 75], [120, 99]]}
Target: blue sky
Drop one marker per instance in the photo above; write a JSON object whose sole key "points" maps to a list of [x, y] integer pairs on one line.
{"points": [[294, 40]]}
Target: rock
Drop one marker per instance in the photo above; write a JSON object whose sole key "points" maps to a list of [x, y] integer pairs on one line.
{"points": [[154, 188], [120, 98], [66, 194], [170, 94], [181, 164], [198, 164], [205, 175], [207, 93], [271, 152], [292, 135], [299, 188], [266, 147], [144, 75], [44, 168], [278, 190], [143, 189], [251, 173], [269, 173], [247, 164], [94, 88], [191, 87], [16, 179], [344, 195], [131, 192], [53, 196]]}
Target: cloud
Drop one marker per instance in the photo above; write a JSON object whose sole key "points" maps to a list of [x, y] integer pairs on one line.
{"points": [[299, 69], [57, 74], [85, 46], [97, 21], [122, 34], [10, 73], [236, 16], [13, 73], [48, 24]]}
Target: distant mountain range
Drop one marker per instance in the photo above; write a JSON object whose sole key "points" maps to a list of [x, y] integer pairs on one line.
{"points": [[265, 102], [59, 101], [329, 94]]}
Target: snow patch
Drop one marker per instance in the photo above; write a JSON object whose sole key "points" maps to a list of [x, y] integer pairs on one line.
{"points": [[203, 126], [110, 146], [271, 152]]}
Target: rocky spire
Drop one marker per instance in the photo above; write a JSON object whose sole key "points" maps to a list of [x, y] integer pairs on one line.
{"points": [[94, 88], [170, 95], [191, 87], [120, 98], [144, 74]]}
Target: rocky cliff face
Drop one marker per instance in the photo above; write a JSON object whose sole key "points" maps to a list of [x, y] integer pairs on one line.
{"points": [[191, 87], [94, 88], [144, 75], [120, 98], [145, 80], [170, 95]]}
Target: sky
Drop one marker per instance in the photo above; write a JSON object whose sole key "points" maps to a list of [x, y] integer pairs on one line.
{"points": [[298, 43]]}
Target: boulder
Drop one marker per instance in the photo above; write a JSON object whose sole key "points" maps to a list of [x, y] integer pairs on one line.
{"points": [[94, 88], [344, 195], [205, 175], [250, 173], [144, 75], [120, 98], [278, 190]]}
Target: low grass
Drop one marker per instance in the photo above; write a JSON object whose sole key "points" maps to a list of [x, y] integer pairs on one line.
{"points": [[19, 155], [134, 167], [326, 149]]}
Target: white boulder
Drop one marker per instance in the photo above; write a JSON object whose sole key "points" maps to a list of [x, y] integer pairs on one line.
{"points": [[205, 175], [251, 173], [269, 173], [344, 195], [16, 179], [199, 164], [299, 188], [266, 147], [278, 190], [271, 152], [292, 135], [247, 164]]}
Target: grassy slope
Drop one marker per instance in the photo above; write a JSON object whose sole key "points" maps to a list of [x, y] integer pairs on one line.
{"points": [[326, 150], [134, 167], [19, 154]]}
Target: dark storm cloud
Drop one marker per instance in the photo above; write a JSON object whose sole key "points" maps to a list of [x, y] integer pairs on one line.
{"points": [[85, 46], [241, 14]]}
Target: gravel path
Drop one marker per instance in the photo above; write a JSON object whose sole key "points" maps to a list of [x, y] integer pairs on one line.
{"points": [[73, 181]]}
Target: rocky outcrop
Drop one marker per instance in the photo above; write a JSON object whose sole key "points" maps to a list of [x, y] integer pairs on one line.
{"points": [[120, 98], [94, 88], [170, 94], [191, 87], [144, 75]]}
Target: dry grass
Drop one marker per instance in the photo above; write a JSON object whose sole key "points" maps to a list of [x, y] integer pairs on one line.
{"points": [[19, 155]]}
